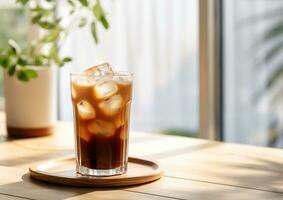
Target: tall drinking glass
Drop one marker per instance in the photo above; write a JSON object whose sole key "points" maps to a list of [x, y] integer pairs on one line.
{"points": [[101, 106]]}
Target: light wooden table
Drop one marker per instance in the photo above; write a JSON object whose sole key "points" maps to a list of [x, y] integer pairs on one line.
{"points": [[194, 169]]}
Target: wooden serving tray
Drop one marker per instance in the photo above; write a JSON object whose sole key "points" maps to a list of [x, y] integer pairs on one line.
{"points": [[63, 172]]}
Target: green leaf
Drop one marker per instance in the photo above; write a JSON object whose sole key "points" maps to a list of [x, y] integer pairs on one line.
{"points": [[26, 74], [93, 31], [14, 46], [30, 73], [84, 2], [4, 59], [53, 51], [46, 25], [11, 60], [22, 76], [41, 11], [97, 10], [71, 3], [100, 15], [59, 62], [12, 70], [83, 22], [36, 18], [71, 11], [104, 22], [73, 6], [52, 36], [23, 2], [54, 54], [4, 63], [67, 59], [22, 61], [40, 59]]}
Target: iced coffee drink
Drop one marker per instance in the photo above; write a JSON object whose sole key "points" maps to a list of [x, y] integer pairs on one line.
{"points": [[101, 102]]}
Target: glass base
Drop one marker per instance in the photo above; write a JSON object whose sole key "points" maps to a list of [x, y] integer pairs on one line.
{"points": [[85, 171]]}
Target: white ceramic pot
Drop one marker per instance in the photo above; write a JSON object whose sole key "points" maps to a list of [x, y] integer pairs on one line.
{"points": [[31, 107]]}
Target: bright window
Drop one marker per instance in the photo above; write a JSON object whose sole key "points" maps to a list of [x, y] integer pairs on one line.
{"points": [[253, 69], [158, 42]]}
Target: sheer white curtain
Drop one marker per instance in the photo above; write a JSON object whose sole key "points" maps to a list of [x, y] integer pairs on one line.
{"points": [[155, 40]]}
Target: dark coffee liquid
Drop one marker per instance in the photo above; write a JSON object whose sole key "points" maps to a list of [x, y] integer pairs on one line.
{"points": [[102, 141], [104, 153]]}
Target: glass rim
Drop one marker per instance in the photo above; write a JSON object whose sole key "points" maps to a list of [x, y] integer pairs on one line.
{"points": [[115, 74]]}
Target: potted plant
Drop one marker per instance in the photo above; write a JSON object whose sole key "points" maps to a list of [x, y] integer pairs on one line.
{"points": [[30, 71]]}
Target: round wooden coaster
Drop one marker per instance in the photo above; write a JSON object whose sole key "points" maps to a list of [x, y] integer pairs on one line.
{"points": [[63, 172]]}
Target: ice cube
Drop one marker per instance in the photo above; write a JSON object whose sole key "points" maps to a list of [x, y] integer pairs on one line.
{"points": [[80, 85], [101, 128], [105, 89], [119, 120], [84, 81], [122, 80], [103, 69], [111, 106], [85, 109], [123, 116], [124, 133], [83, 133]]}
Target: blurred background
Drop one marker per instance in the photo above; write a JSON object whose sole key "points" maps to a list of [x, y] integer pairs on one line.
{"points": [[158, 41]]}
